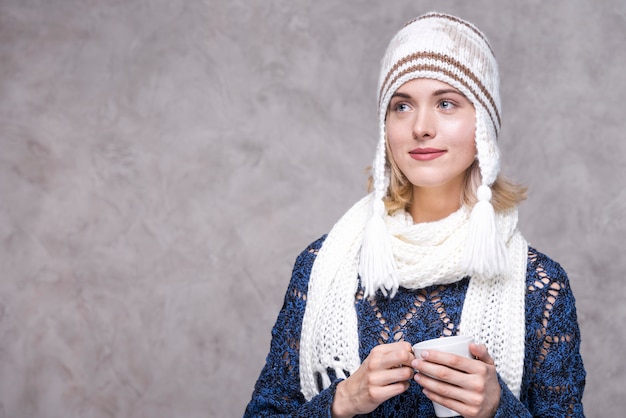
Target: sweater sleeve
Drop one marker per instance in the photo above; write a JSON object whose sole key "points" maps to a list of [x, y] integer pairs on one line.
{"points": [[277, 390], [554, 375]]}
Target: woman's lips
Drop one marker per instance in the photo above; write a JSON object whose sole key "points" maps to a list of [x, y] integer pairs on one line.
{"points": [[425, 154]]}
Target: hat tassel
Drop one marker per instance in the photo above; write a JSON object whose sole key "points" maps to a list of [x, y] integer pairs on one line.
{"points": [[485, 253], [376, 263]]}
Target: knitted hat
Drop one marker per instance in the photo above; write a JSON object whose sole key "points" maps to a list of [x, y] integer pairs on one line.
{"points": [[445, 48]]}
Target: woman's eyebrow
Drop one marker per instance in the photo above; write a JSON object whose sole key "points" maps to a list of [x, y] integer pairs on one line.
{"points": [[435, 93], [446, 91], [400, 94]]}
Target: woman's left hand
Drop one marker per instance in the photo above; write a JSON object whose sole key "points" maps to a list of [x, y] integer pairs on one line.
{"points": [[468, 386]]}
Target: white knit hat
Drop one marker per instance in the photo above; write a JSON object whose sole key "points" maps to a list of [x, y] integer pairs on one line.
{"points": [[445, 48]]}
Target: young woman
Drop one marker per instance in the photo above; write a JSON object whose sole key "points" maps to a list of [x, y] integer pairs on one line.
{"points": [[432, 251]]}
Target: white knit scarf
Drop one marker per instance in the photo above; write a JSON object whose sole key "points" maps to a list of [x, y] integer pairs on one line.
{"points": [[425, 254]]}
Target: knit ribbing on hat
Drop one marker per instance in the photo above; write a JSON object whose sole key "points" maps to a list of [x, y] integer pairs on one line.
{"points": [[451, 50]]}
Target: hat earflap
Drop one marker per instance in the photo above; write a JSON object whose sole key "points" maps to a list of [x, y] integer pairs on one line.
{"points": [[377, 267], [485, 251]]}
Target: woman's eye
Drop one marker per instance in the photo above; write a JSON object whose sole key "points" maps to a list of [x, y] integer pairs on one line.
{"points": [[446, 104], [401, 107]]}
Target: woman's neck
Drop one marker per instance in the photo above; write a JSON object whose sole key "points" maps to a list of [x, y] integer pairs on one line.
{"points": [[433, 204]]}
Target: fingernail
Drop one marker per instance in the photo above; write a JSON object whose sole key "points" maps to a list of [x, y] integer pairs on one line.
{"points": [[424, 354]]}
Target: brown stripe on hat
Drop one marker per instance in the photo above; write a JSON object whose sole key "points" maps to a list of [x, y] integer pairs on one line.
{"points": [[452, 19], [452, 75], [447, 60]]}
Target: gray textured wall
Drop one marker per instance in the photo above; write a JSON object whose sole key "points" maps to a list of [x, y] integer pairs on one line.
{"points": [[162, 162]]}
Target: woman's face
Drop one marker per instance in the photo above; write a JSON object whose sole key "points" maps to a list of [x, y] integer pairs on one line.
{"points": [[430, 129]]}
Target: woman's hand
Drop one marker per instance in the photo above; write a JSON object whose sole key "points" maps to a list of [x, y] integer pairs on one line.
{"points": [[385, 373], [468, 386]]}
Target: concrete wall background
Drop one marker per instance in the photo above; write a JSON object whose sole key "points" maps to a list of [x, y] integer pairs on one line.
{"points": [[162, 163]]}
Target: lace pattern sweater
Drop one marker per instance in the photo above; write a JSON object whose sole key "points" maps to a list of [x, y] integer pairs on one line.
{"points": [[553, 379]]}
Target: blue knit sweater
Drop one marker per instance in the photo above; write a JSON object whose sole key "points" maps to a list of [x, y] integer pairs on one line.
{"points": [[554, 376]]}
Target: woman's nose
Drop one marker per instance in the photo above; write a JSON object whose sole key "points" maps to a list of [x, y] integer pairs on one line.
{"points": [[425, 125]]}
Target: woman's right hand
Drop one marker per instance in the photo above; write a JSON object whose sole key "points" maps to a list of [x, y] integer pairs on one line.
{"points": [[384, 374]]}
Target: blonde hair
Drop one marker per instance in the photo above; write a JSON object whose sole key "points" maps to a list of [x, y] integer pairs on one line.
{"points": [[505, 193]]}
